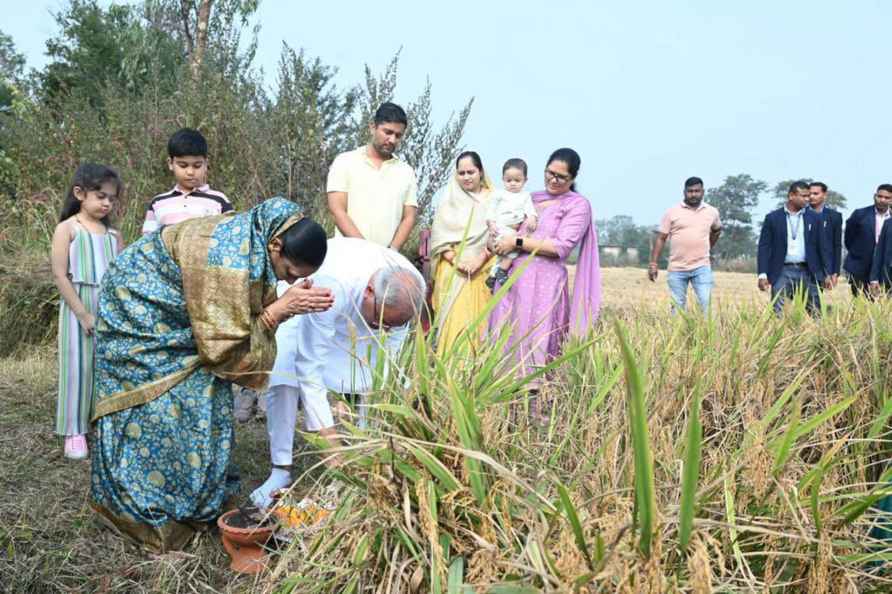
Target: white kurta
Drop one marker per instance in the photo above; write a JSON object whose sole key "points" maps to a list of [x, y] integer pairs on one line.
{"points": [[337, 350]]}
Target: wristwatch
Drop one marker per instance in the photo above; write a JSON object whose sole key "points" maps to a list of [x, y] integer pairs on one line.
{"points": [[518, 242]]}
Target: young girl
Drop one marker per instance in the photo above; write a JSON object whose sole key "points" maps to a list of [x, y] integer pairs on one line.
{"points": [[84, 244], [508, 209]]}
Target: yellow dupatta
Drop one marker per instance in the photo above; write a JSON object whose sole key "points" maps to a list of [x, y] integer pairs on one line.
{"points": [[459, 225]]}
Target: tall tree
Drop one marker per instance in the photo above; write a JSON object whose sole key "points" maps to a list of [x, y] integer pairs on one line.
{"points": [[736, 198], [782, 188], [210, 30], [12, 64], [197, 39], [308, 125], [621, 231], [98, 48]]}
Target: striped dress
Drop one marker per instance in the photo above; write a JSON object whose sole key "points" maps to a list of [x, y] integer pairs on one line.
{"points": [[89, 255]]}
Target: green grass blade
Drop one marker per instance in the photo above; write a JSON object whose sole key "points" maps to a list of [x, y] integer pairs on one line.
{"points": [[455, 581], [826, 415], [645, 495], [444, 476], [731, 518], [814, 504], [691, 471], [575, 525], [855, 509], [786, 444], [512, 589]]}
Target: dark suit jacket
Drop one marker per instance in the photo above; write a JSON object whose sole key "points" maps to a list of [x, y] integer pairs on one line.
{"points": [[833, 236], [860, 240], [881, 268], [773, 245]]}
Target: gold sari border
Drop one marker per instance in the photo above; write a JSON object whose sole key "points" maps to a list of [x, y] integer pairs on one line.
{"points": [[171, 536], [143, 394]]}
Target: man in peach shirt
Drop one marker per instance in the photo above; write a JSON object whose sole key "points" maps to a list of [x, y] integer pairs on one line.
{"points": [[692, 228]]}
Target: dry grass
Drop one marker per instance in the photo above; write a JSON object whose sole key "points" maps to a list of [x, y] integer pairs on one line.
{"points": [[28, 301], [625, 287], [49, 541], [449, 494]]}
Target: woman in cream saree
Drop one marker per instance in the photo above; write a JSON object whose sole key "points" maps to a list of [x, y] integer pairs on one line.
{"points": [[183, 313], [459, 257]]}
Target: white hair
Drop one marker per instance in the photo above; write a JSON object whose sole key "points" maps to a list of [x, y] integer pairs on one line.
{"points": [[399, 288]]}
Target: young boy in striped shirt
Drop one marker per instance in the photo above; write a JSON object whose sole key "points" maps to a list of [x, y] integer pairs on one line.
{"points": [[191, 197]]}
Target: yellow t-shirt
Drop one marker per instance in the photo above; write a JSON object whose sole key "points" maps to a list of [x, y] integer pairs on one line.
{"points": [[375, 196]]}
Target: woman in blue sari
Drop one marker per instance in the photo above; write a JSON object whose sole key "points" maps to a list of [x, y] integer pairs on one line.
{"points": [[183, 314]]}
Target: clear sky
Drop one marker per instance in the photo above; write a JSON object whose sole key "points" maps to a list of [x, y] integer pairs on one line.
{"points": [[648, 93]]}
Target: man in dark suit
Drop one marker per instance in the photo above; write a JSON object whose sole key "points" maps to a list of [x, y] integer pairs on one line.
{"points": [[792, 252], [881, 269], [862, 233], [832, 226]]}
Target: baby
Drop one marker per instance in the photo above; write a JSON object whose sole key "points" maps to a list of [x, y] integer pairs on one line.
{"points": [[506, 212]]}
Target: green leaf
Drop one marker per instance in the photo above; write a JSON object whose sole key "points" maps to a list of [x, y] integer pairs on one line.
{"points": [[691, 471], [645, 495], [786, 444], [512, 589], [575, 525], [814, 500], [444, 476], [455, 581], [831, 412]]}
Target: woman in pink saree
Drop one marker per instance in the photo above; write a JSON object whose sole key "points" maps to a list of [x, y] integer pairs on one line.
{"points": [[539, 307]]}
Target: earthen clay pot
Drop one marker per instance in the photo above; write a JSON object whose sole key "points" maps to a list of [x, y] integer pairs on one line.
{"points": [[244, 545]]}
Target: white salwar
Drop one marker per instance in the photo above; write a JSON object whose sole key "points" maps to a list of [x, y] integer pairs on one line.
{"points": [[333, 351]]}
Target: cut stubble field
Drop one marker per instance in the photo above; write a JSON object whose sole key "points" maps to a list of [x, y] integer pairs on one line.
{"points": [[625, 287]]}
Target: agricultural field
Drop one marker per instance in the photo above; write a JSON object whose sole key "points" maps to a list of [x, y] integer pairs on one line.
{"points": [[630, 286], [736, 454]]}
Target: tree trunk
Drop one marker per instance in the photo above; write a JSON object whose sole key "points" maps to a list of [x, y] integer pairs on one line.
{"points": [[200, 43]]}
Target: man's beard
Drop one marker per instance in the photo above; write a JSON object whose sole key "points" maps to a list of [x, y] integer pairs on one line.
{"points": [[383, 151]]}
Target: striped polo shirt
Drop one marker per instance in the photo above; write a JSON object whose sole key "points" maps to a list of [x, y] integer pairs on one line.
{"points": [[178, 205]]}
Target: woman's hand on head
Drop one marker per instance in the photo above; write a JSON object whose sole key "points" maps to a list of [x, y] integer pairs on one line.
{"points": [[304, 298]]}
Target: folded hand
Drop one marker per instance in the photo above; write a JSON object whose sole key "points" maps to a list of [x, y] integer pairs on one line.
{"points": [[303, 298]]}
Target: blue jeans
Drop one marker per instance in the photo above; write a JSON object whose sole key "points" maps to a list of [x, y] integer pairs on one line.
{"points": [[796, 278], [700, 278]]}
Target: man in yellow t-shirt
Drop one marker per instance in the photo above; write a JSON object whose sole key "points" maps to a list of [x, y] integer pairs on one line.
{"points": [[372, 194]]}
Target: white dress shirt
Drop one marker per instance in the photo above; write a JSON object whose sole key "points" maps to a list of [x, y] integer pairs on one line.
{"points": [[880, 218], [795, 236]]}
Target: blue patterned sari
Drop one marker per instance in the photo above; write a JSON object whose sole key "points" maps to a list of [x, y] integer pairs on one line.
{"points": [[177, 324]]}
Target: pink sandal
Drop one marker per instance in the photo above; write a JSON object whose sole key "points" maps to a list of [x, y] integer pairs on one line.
{"points": [[76, 447]]}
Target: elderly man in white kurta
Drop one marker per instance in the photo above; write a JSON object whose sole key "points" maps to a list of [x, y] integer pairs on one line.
{"points": [[377, 293]]}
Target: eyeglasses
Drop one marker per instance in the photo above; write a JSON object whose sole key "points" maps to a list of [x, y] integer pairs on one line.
{"points": [[551, 175], [376, 315]]}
